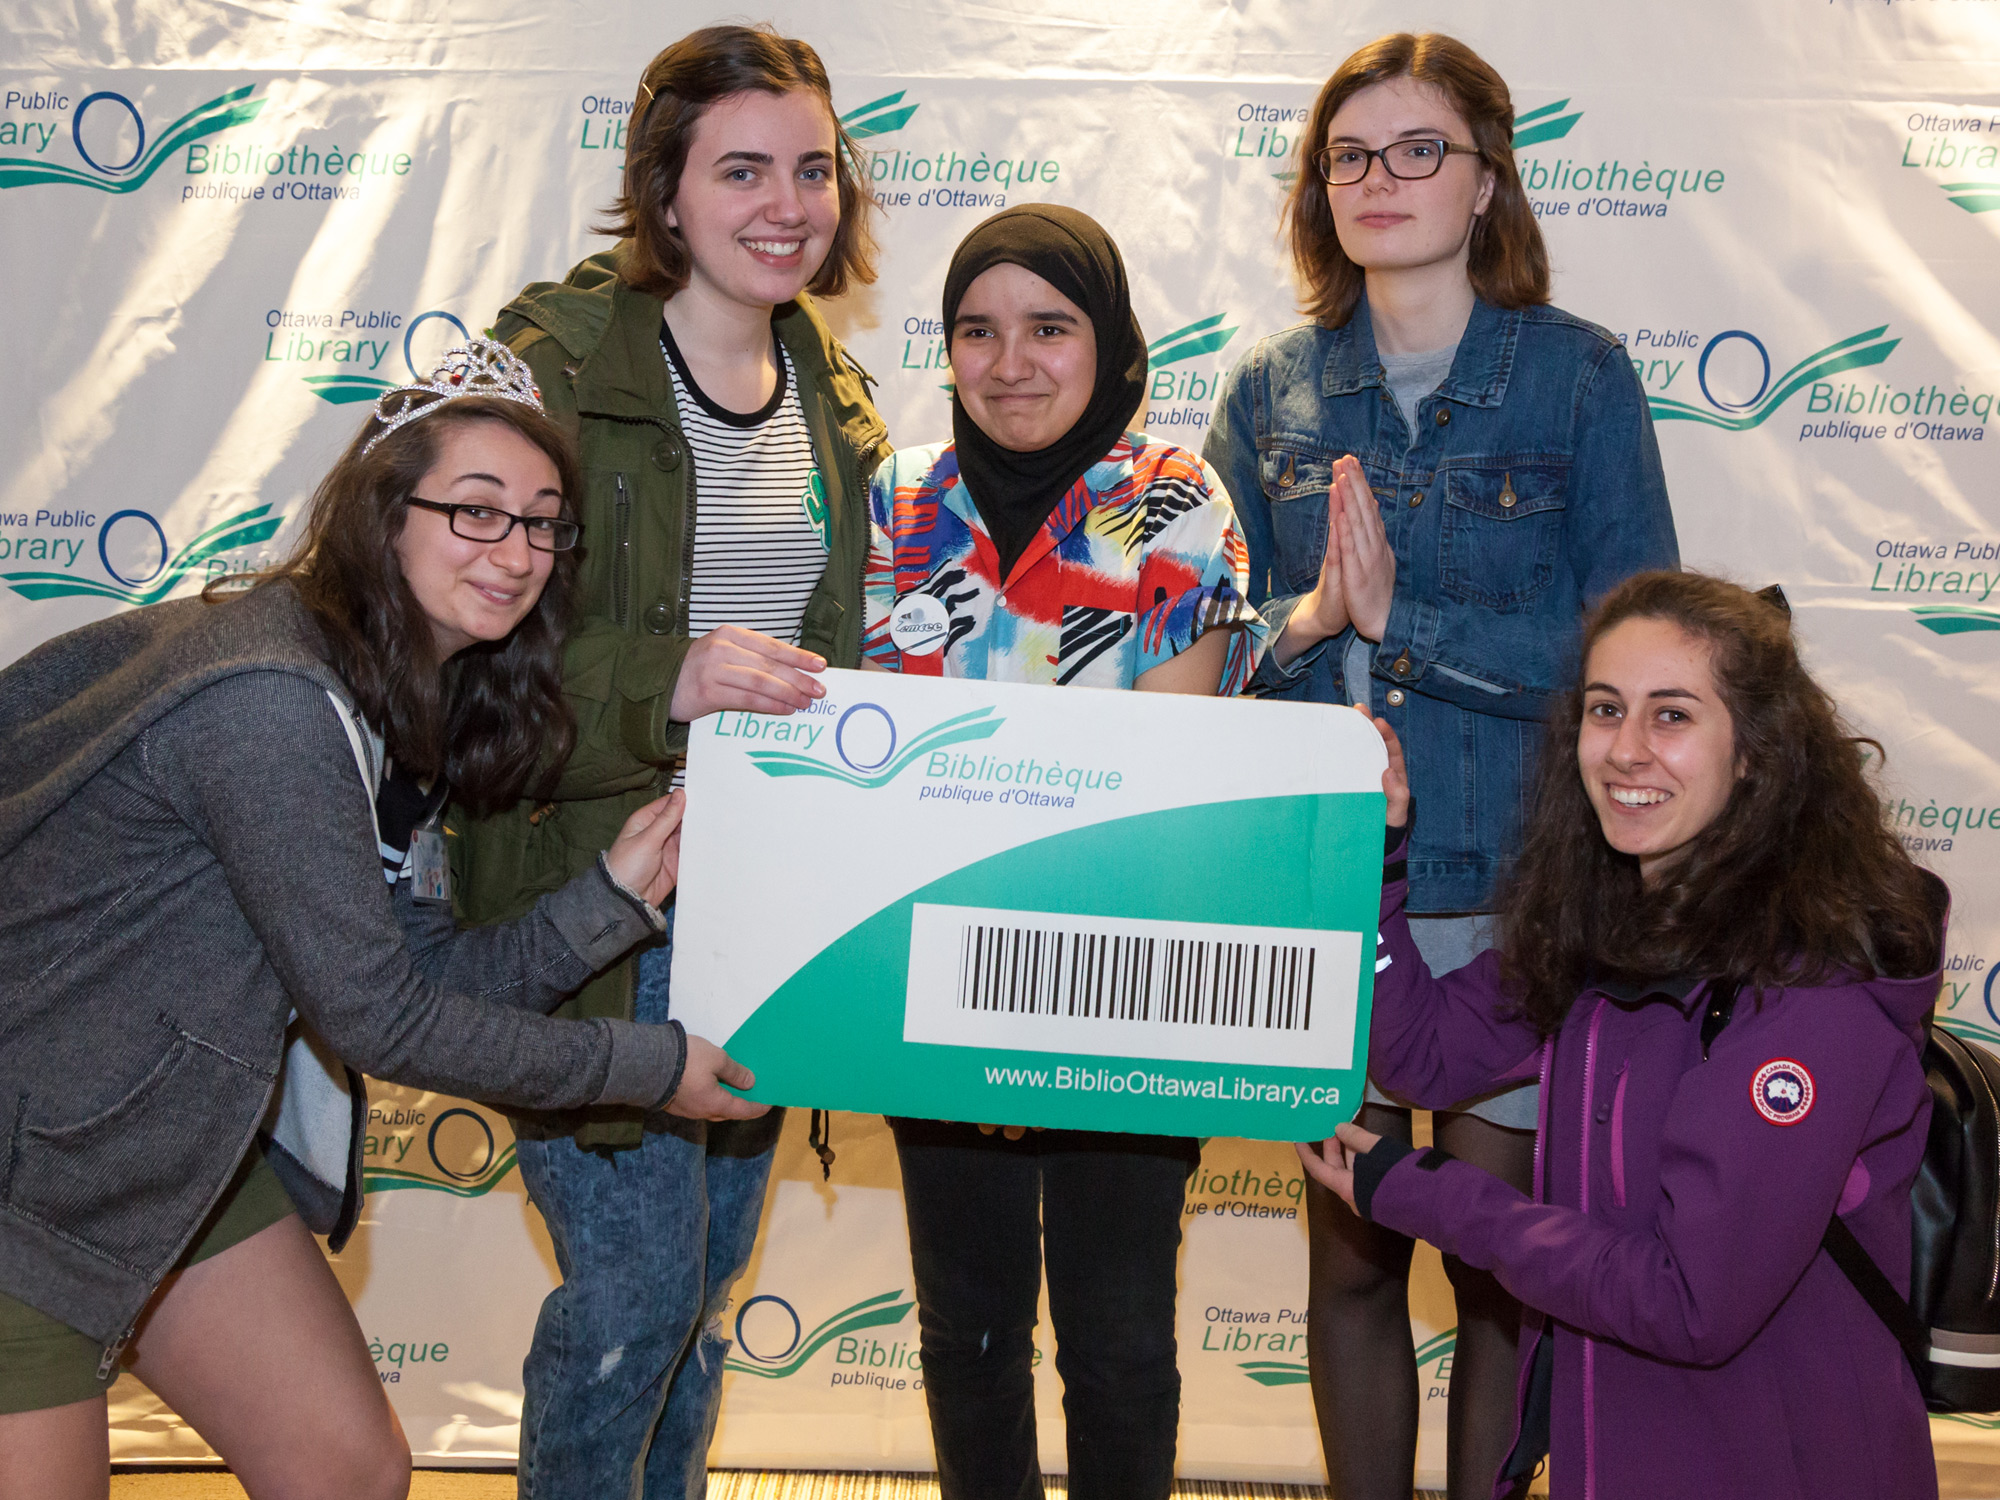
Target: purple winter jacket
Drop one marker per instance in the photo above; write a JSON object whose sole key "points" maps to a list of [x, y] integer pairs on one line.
{"points": [[1703, 1345]]}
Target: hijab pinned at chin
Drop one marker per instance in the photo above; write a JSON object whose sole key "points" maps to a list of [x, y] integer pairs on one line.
{"points": [[1016, 492]]}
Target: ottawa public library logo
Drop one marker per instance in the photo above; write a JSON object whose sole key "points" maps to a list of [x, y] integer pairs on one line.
{"points": [[772, 1341], [864, 738], [110, 164], [455, 1151], [139, 565], [1735, 412]]}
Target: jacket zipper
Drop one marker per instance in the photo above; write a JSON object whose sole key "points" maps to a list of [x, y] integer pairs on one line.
{"points": [[1618, 1136], [113, 1349], [621, 581], [1583, 1205], [687, 551]]}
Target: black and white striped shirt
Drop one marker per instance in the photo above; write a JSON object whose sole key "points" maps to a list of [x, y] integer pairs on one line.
{"points": [[759, 508]]}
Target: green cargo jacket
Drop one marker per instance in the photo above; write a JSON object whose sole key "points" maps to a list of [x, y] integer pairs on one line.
{"points": [[594, 346]]}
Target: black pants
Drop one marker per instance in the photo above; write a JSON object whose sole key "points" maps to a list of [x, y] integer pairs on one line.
{"points": [[1109, 1226]]}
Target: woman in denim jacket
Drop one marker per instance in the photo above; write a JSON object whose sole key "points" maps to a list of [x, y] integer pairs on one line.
{"points": [[1436, 475]]}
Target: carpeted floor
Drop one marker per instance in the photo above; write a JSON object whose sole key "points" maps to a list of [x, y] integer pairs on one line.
{"points": [[723, 1484]]}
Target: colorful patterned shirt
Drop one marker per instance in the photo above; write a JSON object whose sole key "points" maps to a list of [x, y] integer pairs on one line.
{"points": [[1141, 558]]}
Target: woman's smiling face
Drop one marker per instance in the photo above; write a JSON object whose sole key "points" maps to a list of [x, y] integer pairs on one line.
{"points": [[1657, 747], [1023, 358]]}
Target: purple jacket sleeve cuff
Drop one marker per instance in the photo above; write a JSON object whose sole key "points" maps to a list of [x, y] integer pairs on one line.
{"points": [[1376, 1163]]}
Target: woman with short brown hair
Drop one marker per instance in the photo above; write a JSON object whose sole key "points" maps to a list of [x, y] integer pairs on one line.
{"points": [[726, 440]]}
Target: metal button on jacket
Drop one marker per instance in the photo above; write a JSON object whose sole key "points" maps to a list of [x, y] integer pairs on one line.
{"points": [[1416, 499], [1394, 697], [668, 453], [1444, 416], [1402, 667], [659, 618]]}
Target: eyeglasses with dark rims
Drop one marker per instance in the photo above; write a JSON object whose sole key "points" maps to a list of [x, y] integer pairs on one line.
{"points": [[1409, 161], [486, 523]]}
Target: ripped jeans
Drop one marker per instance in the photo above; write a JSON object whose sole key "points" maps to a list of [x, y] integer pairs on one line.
{"points": [[624, 1377], [1104, 1212]]}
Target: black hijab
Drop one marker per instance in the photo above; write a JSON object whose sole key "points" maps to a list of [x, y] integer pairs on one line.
{"points": [[1015, 492]]}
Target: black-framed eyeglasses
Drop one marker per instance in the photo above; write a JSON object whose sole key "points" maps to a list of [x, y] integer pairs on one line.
{"points": [[486, 523], [1345, 165]]}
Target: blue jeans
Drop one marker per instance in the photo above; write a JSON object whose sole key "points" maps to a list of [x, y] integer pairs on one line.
{"points": [[624, 1377]]}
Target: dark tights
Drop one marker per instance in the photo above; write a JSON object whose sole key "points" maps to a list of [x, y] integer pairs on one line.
{"points": [[1364, 1368]]}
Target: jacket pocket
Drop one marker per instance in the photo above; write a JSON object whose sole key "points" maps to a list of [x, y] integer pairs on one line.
{"points": [[1296, 485], [131, 1182], [1502, 534]]}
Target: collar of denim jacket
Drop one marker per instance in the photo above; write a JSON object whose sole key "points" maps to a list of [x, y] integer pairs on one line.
{"points": [[1478, 374]]}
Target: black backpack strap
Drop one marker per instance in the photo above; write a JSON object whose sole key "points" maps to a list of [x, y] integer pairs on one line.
{"points": [[1859, 1267]]}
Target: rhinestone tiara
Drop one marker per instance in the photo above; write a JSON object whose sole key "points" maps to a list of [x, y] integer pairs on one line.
{"points": [[478, 367]]}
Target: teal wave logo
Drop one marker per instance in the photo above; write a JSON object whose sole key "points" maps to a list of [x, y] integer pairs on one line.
{"points": [[1955, 619], [223, 112], [883, 1311], [879, 116], [1190, 342], [1974, 197], [248, 528], [1855, 353], [1548, 123], [871, 775], [1291, 1372]]}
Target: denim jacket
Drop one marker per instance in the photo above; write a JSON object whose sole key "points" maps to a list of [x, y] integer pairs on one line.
{"points": [[1533, 487]]}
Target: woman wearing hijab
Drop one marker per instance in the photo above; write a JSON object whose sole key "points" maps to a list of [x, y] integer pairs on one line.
{"points": [[1046, 543]]}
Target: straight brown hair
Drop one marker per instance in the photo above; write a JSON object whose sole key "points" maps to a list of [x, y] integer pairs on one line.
{"points": [[1798, 880], [676, 90], [1509, 264], [492, 720]]}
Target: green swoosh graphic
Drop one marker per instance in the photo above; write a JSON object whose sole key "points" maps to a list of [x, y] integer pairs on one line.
{"points": [[344, 389], [950, 732], [1955, 619], [1831, 360], [860, 125], [1974, 197], [1275, 1372], [868, 1314], [1539, 125], [389, 1179], [220, 113]]}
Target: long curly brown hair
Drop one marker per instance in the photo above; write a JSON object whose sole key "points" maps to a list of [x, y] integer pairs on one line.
{"points": [[1799, 878], [492, 719]]}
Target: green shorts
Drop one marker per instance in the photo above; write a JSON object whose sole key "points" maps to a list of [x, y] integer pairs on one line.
{"points": [[45, 1364]]}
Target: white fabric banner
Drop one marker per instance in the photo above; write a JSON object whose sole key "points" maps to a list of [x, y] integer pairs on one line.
{"points": [[230, 225]]}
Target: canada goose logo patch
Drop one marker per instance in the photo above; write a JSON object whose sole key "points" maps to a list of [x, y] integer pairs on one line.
{"points": [[1782, 1090]]}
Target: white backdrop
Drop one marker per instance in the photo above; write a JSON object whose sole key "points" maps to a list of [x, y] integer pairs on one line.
{"points": [[229, 223]]}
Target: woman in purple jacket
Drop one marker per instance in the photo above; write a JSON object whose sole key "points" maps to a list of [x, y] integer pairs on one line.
{"points": [[1702, 812]]}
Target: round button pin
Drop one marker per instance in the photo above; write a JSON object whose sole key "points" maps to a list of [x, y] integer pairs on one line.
{"points": [[919, 624]]}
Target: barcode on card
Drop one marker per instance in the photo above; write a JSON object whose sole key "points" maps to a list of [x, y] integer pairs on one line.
{"points": [[1057, 971], [1131, 987]]}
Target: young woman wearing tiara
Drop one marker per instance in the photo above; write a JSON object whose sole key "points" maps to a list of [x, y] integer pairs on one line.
{"points": [[726, 443], [189, 860], [1436, 475]]}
